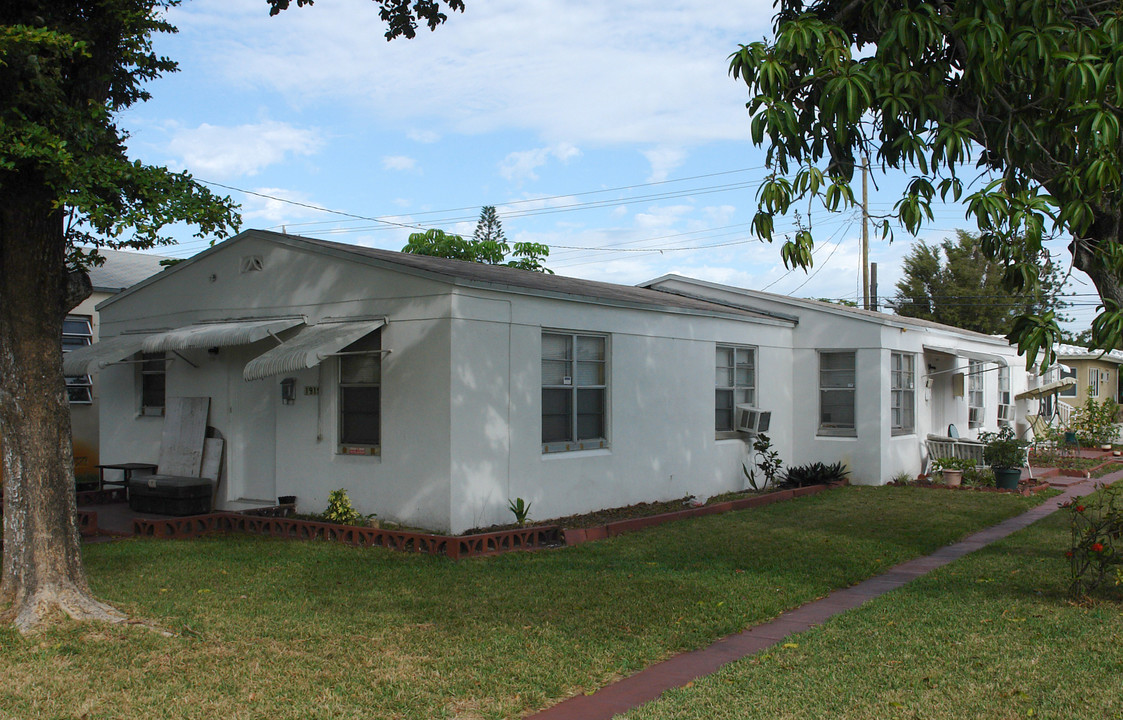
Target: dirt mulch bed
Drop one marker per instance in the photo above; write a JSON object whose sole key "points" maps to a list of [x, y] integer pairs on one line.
{"points": [[1025, 487]]}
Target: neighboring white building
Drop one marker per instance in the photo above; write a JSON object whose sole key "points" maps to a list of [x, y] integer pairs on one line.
{"points": [[81, 327], [434, 390]]}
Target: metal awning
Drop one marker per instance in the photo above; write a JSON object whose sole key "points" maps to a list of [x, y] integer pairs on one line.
{"points": [[218, 334], [969, 354], [309, 347], [90, 359], [1046, 389]]}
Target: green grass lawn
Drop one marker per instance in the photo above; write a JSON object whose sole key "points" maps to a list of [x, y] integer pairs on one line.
{"points": [[991, 637], [279, 629]]}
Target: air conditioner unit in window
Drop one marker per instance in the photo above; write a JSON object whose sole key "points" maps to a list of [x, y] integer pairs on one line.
{"points": [[1006, 413], [752, 420], [974, 415]]}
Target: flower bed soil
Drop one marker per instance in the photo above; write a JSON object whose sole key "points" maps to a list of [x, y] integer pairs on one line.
{"points": [[1026, 487]]}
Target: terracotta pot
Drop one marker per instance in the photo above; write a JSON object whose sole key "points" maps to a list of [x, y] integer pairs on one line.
{"points": [[952, 478]]}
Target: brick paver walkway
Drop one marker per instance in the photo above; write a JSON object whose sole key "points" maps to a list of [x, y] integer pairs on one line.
{"points": [[650, 683]]}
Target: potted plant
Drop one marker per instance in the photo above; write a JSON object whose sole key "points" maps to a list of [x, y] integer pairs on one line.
{"points": [[951, 469], [1005, 454]]}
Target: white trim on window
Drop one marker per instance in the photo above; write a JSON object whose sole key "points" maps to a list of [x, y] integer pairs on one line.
{"points": [[1093, 382], [838, 370], [902, 393], [976, 394], [78, 332], [734, 384], [574, 391], [360, 396]]}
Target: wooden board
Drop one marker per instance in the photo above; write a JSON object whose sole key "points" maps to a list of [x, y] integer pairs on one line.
{"points": [[212, 465], [185, 426], [212, 459]]}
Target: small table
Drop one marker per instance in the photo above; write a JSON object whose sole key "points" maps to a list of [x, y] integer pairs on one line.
{"points": [[127, 472]]}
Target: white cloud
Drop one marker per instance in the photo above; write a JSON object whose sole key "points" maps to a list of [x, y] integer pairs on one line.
{"points": [[223, 152], [579, 71], [423, 136], [258, 211], [663, 160], [398, 162], [520, 166]]}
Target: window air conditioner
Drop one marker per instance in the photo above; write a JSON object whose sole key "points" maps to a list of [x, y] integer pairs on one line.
{"points": [[1006, 412], [752, 420], [974, 415]]}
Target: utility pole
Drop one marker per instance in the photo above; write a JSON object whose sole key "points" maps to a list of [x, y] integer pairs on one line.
{"points": [[873, 287], [865, 236]]}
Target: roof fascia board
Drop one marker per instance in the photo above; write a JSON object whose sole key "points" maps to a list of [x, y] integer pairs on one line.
{"points": [[821, 307], [297, 243]]}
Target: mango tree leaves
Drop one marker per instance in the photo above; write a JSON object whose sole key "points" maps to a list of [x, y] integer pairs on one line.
{"points": [[1029, 92]]}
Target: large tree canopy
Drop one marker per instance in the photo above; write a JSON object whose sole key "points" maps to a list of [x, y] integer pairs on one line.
{"points": [[1029, 90], [953, 282], [67, 67]]}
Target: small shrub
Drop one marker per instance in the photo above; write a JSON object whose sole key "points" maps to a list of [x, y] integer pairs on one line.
{"points": [[815, 473], [953, 463], [901, 478], [1096, 554], [978, 477], [1094, 422], [520, 509], [766, 460], [340, 510]]}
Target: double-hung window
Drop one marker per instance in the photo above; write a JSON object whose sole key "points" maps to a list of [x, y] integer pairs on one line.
{"points": [[734, 384], [837, 375], [153, 383], [77, 332], [360, 396], [1093, 382], [574, 391], [976, 404], [1005, 402], [903, 393]]}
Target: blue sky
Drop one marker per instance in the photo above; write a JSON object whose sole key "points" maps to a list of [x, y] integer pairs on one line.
{"points": [[609, 131]]}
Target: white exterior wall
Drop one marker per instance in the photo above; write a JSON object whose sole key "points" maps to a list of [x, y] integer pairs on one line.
{"points": [[297, 445], [874, 455], [660, 407], [461, 393]]}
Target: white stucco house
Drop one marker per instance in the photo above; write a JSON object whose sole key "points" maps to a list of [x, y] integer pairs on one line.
{"points": [[435, 390]]}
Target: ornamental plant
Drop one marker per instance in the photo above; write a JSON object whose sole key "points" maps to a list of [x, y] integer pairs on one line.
{"points": [[1094, 422], [1097, 540], [766, 460], [953, 463], [1003, 448], [340, 510]]}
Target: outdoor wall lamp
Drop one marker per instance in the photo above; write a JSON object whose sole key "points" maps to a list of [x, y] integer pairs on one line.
{"points": [[288, 391]]}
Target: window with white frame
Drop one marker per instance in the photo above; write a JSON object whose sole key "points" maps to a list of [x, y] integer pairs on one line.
{"points": [[1068, 372], [837, 383], [1093, 382], [78, 332], [153, 383], [902, 393], [574, 391], [1005, 402], [360, 396], [734, 383], [976, 398]]}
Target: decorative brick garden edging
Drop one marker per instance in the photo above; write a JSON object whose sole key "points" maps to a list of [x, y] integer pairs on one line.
{"points": [[575, 536], [452, 546]]}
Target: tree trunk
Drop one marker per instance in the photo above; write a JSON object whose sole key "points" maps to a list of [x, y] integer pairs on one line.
{"points": [[42, 566], [1087, 254]]}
